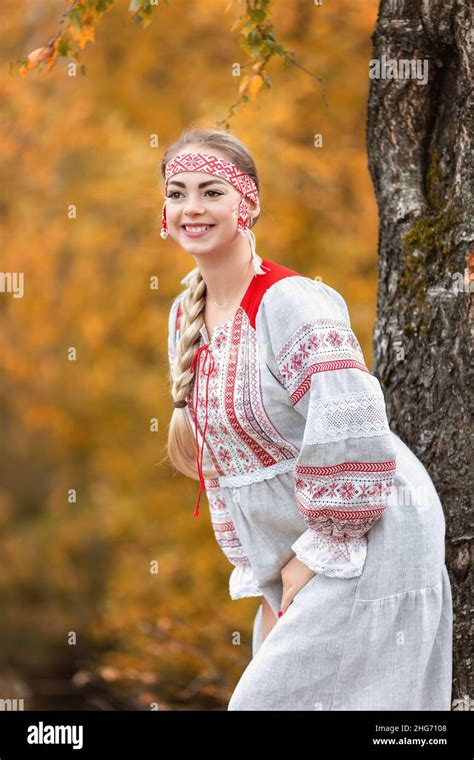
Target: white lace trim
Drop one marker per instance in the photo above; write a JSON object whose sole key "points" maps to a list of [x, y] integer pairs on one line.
{"points": [[242, 583], [330, 557], [355, 415], [258, 475]]}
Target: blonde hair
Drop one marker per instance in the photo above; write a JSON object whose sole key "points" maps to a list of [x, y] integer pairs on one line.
{"points": [[181, 444]]}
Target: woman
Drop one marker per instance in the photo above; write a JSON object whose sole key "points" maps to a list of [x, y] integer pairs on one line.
{"points": [[323, 511]]}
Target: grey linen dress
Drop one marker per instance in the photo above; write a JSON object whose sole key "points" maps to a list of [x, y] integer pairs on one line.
{"points": [[295, 426]]}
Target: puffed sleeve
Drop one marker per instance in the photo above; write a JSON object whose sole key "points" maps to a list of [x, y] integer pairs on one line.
{"points": [[242, 582], [344, 472]]}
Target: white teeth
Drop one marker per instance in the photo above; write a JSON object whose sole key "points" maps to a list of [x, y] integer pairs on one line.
{"points": [[196, 229]]}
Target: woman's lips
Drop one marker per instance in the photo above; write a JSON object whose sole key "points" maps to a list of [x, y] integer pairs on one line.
{"points": [[194, 234]]}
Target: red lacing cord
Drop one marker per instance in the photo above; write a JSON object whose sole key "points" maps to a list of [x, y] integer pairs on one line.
{"points": [[199, 455]]}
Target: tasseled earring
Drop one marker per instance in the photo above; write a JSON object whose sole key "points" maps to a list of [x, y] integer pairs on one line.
{"points": [[164, 223], [244, 229], [243, 218]]}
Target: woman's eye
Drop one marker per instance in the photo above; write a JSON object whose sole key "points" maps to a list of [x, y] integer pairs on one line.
{"points": [[177, 192]]}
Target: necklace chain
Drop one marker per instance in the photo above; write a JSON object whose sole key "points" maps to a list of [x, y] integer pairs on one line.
{"points": [[224, 306]]}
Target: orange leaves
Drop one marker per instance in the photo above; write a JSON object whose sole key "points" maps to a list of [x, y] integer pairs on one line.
{"points": [[36, 57], [41, 54], [83, 35], [76, 28], [251, 84]]}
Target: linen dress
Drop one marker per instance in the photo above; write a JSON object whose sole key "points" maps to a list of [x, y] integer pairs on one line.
{"points": [[296, 428]]}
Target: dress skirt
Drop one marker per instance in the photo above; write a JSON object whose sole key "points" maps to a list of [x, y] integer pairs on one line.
{"points": [[378, 641]]}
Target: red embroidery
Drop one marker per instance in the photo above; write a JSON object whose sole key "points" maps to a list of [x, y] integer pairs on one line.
{"points": [[241, 437], [324, 367], [322, 345], [347, 466], [223, 525], [207, 370], [263, 457], [333, 502]]}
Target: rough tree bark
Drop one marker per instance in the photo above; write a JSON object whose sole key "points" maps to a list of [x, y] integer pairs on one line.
{"points": [[420, 147]]}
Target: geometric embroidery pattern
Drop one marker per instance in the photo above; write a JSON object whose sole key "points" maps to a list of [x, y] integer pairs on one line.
{"points": [[223, 526], [344, 500], [321, 345], [240, 437]]}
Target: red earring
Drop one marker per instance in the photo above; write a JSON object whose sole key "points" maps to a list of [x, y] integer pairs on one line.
{"points": [[164, 223], [243, 218]]}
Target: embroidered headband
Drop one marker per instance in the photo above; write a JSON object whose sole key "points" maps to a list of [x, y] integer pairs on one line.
{"points": [[221, 167]]}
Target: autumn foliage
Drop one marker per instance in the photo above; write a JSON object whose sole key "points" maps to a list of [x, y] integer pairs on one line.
{"points": [[111, 592]]}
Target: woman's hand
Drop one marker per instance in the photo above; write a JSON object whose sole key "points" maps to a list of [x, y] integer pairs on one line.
{"points": [[294, 576]]}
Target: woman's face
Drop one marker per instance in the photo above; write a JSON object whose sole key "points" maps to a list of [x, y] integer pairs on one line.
{"points": [[199, 199]]}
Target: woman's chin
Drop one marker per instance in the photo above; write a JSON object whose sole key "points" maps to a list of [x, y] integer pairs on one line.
{"points": [[206, 244]]}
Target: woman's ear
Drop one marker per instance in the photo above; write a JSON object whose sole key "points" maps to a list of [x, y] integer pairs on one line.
{"points": [[254, 208]]}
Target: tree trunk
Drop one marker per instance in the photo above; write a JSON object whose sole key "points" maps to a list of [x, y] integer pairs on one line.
{"points": [[420, 147]]}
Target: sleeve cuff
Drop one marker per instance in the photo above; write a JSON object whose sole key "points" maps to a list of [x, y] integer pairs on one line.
{"points": [[335, 557], [242, 583]]}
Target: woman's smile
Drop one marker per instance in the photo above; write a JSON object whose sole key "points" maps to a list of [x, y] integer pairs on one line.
{"points": [[196, 230]]}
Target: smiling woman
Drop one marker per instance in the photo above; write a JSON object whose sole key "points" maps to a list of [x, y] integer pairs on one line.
{"points": [[196, 229], [205, 202], [321, 509]]}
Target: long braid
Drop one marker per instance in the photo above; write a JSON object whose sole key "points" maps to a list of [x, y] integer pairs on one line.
{"points": [[192, 304], [181, 436]]}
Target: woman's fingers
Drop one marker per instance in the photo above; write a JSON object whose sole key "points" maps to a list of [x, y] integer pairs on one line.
{"points": [[287, 599], [294, 575]]}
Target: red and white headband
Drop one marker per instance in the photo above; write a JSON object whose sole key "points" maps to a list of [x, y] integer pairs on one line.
{"points": [[205, 162]]}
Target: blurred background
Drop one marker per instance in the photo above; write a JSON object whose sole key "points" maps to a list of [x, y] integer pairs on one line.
{"points": [[88, 501]]}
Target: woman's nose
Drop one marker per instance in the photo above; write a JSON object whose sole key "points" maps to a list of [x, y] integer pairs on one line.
{"points": [[194, 204]]}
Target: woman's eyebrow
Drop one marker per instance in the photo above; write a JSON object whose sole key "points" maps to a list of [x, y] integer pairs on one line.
{"points": [[203, 184]]}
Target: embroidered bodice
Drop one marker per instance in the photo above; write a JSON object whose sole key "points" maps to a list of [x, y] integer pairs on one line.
{"points": [[288, 393]]}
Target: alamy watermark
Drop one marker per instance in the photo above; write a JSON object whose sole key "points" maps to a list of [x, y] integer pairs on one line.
{"points": [[12, 282], [399, 68], [12, 704], [48, 734]]}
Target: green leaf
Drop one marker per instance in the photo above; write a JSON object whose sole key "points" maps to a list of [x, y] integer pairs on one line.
{"points": [[258, 16], [63, 46], [75, 20]]}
